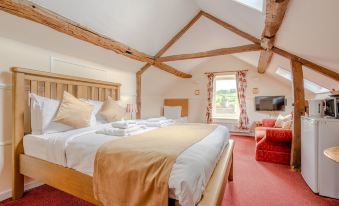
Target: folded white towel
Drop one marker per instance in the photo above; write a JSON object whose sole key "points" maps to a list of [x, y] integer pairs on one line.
{"points": [[123, 124], [156, 119], [119, 132]]}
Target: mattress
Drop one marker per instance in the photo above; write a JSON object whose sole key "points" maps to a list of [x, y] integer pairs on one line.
{"points": [[77, 148]]}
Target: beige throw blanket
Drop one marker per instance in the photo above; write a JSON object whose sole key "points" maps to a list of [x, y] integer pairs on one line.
{"points": [[135, 170]]}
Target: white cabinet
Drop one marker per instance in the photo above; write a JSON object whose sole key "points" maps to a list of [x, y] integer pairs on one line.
{"points": [[319, 172]]}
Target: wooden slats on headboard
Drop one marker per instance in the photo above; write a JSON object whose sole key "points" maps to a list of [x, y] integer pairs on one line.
{"points": [[178, 102], [53, 86]]}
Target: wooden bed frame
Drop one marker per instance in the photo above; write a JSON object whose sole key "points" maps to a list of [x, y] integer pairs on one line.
{"points": [[68, 180]]}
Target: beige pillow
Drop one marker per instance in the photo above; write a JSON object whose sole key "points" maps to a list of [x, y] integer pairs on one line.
{"points": [[282, 119], [112, 111], [287, 124], [74, 112], [279, 121]]}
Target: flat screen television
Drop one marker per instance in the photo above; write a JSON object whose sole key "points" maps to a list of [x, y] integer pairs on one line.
{"points": [[270, 103]]}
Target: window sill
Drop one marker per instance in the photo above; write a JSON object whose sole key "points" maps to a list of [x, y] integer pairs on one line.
{"points": [[224, 120]]}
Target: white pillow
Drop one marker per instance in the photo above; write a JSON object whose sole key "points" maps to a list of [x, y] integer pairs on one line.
{"points": [[43, 111], [172, 112], [97, 106]]}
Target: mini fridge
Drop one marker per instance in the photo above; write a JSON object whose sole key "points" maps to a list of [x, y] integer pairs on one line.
{"points": [[319, 172]]}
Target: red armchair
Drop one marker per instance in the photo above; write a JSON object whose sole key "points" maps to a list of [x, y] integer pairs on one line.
{"points": [[273, 144]]}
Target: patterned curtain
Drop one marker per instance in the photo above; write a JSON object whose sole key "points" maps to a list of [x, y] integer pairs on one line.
{"points": [[241, 87], [210, 84]]}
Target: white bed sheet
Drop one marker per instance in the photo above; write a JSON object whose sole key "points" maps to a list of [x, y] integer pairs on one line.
{"points": [[77, 148], [181, 120]]}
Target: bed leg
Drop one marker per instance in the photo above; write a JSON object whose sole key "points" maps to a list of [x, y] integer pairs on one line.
{"points": [[230, 175], [17, 178], [18, 183]]}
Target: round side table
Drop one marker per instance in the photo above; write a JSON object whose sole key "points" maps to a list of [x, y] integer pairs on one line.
{"points": [[332, 153]]}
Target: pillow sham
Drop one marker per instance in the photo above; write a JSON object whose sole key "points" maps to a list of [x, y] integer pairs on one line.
{"points": [[287, 124], [74, 112], [96, 115], [112, 111], [43, 110], [172, 112], [282, 119]]}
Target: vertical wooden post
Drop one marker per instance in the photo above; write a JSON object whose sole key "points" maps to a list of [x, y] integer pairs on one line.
{"points": [[299, 110], [138, 85], [18, 133]]}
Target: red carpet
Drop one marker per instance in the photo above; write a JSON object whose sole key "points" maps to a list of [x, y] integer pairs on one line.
{"points": [[255, 183], [265, 184]]}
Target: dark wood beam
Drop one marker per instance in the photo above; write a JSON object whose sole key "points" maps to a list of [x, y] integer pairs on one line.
{"points": [[173, 40], [36, 13], [275, 12], [231, 28], [315, 67], [215, 52], [298, 111]]}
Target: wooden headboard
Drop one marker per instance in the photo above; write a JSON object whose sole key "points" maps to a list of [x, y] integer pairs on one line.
{"points": [[52, 86], [178, 102]]}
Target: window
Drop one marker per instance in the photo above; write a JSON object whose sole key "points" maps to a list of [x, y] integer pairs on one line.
{"points": [[225, 97], [254, 4], [311, 86]]}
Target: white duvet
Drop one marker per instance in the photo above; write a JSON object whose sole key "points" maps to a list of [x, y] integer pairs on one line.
{"points": [[77, 148]]}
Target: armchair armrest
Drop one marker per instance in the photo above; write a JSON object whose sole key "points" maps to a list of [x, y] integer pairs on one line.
{"points": [[281, 135], [268, 122]]}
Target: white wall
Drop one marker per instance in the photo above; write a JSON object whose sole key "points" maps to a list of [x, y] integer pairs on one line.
{"points": [[266, 84], [15, 53]]}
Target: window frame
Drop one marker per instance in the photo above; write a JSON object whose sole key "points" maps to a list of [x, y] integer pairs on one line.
{"points": [[225, 76], [263, 7]]}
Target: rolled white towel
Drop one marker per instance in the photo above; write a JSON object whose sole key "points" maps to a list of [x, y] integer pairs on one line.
{"points": [[156, 119], [123, 124]]}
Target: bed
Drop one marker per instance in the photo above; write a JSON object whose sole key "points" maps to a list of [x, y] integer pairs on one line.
{"points": [[71, 179]]}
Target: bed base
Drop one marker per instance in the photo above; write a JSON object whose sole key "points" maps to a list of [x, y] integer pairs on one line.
{"points": [[81, 186]]}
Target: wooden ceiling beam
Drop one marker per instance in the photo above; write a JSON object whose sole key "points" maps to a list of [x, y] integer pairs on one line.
{"points": [[231, 28], [215, 52], [172, 41], [38, 14], [275, 12], [264, 60], [169, 69], [315, 67]]}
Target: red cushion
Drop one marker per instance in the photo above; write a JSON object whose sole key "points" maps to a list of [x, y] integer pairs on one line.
{"points": [[282, 135], [268, 122]]}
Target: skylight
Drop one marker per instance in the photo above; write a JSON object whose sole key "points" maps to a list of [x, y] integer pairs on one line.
{"points": [[311, 86], [255, 4]]}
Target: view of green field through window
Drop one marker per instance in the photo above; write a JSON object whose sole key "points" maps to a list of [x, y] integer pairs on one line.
{"points": [[225, 102]]}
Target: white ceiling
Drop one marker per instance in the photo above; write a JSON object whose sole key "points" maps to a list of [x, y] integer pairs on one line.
{"points": [[145, 25], [310, 30]]}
